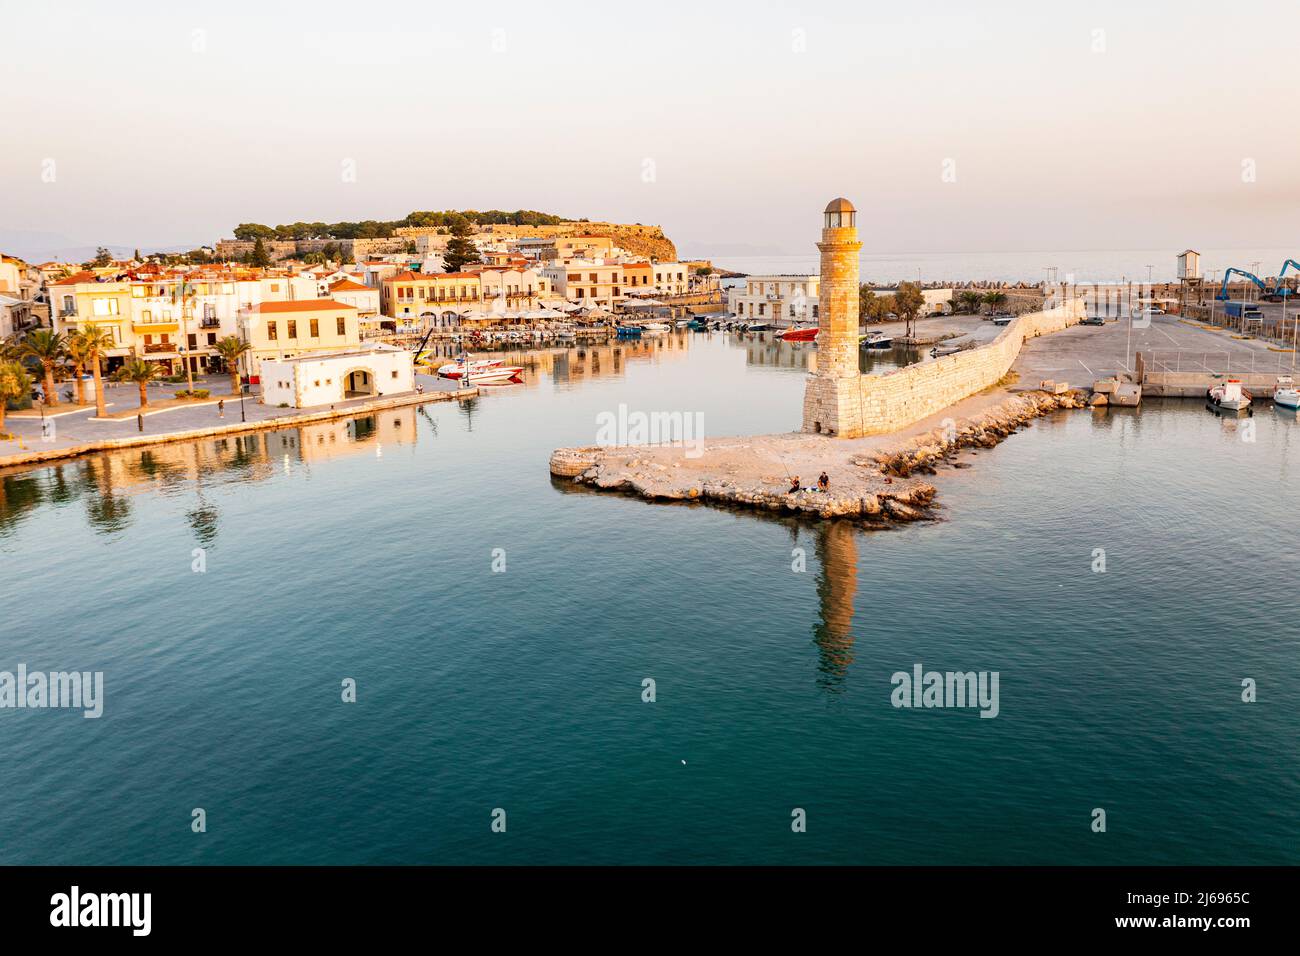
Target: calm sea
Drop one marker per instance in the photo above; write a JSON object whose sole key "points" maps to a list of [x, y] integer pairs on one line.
{"points": [[1088, 266], [366, 551]]}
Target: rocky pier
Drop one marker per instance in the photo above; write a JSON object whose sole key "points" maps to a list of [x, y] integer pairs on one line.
{"points": [[880, 479]]}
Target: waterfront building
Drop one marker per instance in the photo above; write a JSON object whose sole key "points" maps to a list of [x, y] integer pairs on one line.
{"points": [[325, 378], [672, 278], [282, 330], [783, 300], [511, 289], [587, 281], [437, 299], [638, 277], [350, 292]]}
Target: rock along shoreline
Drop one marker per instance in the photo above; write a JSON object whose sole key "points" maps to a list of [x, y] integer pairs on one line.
{"points": [[876, 479]]}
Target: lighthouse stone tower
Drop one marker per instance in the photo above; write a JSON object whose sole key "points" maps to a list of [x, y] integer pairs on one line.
{"points": [[832, 401]]}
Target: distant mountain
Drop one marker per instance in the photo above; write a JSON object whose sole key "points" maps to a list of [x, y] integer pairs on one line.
{"points": [[35, 247]]}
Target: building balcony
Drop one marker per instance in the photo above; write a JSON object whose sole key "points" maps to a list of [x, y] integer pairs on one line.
{"points": [[154, 348], [210, 324]]}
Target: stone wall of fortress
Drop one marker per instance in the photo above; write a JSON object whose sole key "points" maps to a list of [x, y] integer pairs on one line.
{"points": [[879, 404]]}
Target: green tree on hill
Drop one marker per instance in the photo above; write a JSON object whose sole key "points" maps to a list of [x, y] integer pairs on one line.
{"points": [[460, 250], [259, 256]]}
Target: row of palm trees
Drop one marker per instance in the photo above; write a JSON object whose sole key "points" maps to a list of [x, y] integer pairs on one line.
{"points": [[47, 351], [971, 301]]}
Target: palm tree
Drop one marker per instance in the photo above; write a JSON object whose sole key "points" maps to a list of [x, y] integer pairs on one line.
{"points": [[79, 357], [46, 347], [14, 384], [971, 300], [95, 341], [140, 372], [231, 349], [995, 299]]}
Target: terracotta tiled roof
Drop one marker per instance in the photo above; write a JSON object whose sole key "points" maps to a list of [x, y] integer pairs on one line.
{"points": [[78, 277], [347, 285], [303, 305]]}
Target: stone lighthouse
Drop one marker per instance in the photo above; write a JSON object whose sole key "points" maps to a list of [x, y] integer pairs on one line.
{"points": [[832, 402]]}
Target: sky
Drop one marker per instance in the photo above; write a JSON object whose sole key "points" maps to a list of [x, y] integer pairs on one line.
{"points": [[952, 126]]}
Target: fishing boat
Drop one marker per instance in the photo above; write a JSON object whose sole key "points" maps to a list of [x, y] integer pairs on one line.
{"points": [[758, 327], [682, 323], [455, 370], [878, 340], [807, 334], [1285, 393], [698, 324], [629, 331], [655, 328], [1229, 395]]}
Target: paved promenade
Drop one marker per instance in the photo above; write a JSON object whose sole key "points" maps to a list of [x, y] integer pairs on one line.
{"points": [[73, 427]]}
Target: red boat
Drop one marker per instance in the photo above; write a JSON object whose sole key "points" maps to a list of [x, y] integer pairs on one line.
{"points": [[800, 335]]}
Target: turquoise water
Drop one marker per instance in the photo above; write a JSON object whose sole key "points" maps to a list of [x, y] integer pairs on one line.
{"points": [[365, 551]]}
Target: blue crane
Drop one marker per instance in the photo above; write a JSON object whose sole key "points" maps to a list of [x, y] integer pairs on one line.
{"points": [[1223, 292], [1281, 290]]}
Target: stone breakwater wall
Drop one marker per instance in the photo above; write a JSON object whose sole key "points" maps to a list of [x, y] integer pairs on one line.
{"points": [[880, 404]]}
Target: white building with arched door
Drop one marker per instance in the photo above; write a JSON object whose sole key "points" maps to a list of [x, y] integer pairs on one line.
{"points": [[327, 378]]}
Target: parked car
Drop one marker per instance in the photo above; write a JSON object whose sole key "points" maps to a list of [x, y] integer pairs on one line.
{"points": [[1093, 320]]}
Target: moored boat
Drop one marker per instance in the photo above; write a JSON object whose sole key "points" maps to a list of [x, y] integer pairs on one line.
{"points": [[1229, 395], [455, 370], [808, 334], [496, 375], [1285, 393], [878, 340]]}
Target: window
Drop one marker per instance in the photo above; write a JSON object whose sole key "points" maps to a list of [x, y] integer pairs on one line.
{"points": [[315, 328], [342, 325], [212, 338], [146, 316], [193, 340], [137, 291], [272, 330], [394, 373], [69, 304], [105, 306], [293, 328]]}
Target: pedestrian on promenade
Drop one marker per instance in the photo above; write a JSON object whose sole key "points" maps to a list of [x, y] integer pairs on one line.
{"points": [[221, 408]]}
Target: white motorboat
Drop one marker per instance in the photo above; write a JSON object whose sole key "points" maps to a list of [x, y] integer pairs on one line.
{"points": [[655, 328], [1285, 393], [878, 340], [1229, 395], [455, 370], [496, 375]]}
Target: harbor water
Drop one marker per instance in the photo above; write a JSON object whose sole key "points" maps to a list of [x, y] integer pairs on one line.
{"points": [[1126, 572]]}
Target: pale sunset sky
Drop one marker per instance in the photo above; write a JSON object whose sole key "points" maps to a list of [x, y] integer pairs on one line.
{"points": [[1060, 126]]}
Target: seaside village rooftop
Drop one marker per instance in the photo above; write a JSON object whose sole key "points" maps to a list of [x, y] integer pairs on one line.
{"points": [[287, 299]]}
